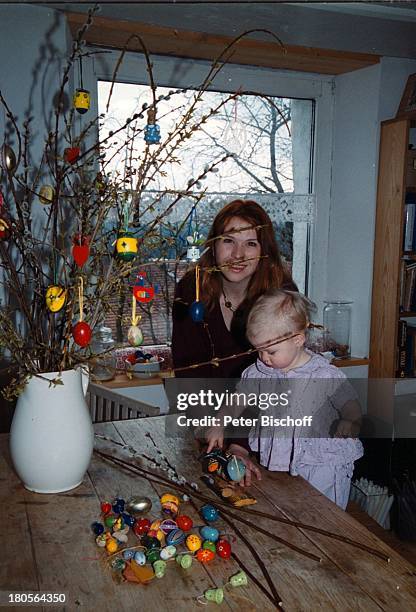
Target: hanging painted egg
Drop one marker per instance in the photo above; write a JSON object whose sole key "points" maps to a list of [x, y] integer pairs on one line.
{"points": [[193, 542], [209, 533], [204, 555], [8, 158], [197, 311], [184, 522], [193, 253], [126, 246], [135, 335], [81, 332], [71, 154], [152, 133], [82, 100], [4, 229], [209, 513], [235, 468], [55, 298], [223, 549], [46, 194], [142, 293], [81, 249]]}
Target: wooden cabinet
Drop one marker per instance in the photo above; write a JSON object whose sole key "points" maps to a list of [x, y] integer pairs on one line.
{"points": [[396, 176]]}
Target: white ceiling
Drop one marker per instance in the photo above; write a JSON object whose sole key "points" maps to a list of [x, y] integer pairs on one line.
{"points": [[385, 28]]}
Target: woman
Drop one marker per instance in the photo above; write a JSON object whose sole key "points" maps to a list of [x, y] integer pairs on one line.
{"points": [[242, 262]]}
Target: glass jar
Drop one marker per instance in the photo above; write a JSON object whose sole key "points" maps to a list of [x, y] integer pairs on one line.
{"points": [[337, 323], [103, 365]]}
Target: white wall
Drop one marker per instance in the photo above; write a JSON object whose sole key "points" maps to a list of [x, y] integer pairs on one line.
{"points": [[362, 99]]}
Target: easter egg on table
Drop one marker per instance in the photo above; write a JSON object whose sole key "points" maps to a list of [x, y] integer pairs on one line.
{"points": [[168, 525], [150, 542], [97, 528], [140, 557], [105, 507], [141, 526], [175, 537], [207, 544], [223, 549], [209, 533], [167, 552], [204, 555], [184, 522], [209, 513], [138, 505], [152, 555], [193, 542]]}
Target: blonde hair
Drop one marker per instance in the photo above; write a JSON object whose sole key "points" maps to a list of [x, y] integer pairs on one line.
{"points": [[281, 312]]}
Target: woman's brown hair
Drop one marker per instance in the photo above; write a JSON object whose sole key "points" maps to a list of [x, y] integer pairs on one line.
{"points": [[270, 272]]}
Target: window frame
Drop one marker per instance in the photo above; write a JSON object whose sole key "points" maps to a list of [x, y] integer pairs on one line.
{"points": [[185, 73]]}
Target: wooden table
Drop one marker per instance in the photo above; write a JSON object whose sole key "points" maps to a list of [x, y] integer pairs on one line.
{"points": [[47, 544]]}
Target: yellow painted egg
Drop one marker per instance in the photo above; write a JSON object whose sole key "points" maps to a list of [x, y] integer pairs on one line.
{"points": [[82, 100], [169, 497], [46, 194], [193, 542], [111, 545], [55, 298]]}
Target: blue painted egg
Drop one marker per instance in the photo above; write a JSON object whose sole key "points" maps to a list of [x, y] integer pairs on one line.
{"points": [[197, 311], [209, 513], [97, 528], [140, 557], [128, 554], [118, 505], [209, 533], [175, 537], [128, 519], [235, 469]]}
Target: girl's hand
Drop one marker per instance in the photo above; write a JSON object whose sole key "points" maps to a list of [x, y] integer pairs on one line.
{"points": [[251, 468], [214, 437]]}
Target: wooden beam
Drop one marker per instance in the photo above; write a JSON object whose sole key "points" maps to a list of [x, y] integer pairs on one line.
{"points": [[161, 40]]}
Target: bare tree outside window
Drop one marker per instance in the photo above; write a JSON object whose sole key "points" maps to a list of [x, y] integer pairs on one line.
{"points": [[255, 132]]}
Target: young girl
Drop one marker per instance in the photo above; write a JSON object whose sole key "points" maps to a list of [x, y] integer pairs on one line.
{"points": [[276, 327]]}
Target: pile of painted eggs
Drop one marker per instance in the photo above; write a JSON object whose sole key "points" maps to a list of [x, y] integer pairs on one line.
{"points": [[172, 537], [140, 357]]}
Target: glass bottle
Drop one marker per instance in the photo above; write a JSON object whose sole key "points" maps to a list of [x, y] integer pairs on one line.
{"points": [[103, 365], [337, 323]]}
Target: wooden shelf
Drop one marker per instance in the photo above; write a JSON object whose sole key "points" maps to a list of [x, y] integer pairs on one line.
{"points": [[402, 315], [350, 362]]}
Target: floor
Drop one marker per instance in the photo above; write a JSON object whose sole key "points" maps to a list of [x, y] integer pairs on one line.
{"points": [[405, 549]]}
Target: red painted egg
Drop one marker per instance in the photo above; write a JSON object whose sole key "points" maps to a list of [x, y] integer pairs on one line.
{"points": [[141, 526], [81, 332], [204, 555], [106, 507], [71, 154], [224, 549], [184, 522]]}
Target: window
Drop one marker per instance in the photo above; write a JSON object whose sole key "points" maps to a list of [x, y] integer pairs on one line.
{"points": [[269, 141]]}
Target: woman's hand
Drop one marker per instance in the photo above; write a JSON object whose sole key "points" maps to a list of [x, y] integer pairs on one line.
{"points": [[251, 468]]}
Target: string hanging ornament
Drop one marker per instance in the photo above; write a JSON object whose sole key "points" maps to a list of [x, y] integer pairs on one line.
{"points": [[235, 134], [82, 97], [134, 334], [197, 309], [81, 331]]}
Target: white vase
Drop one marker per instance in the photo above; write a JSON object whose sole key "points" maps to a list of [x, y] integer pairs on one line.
{"points": [[51, 436]]}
